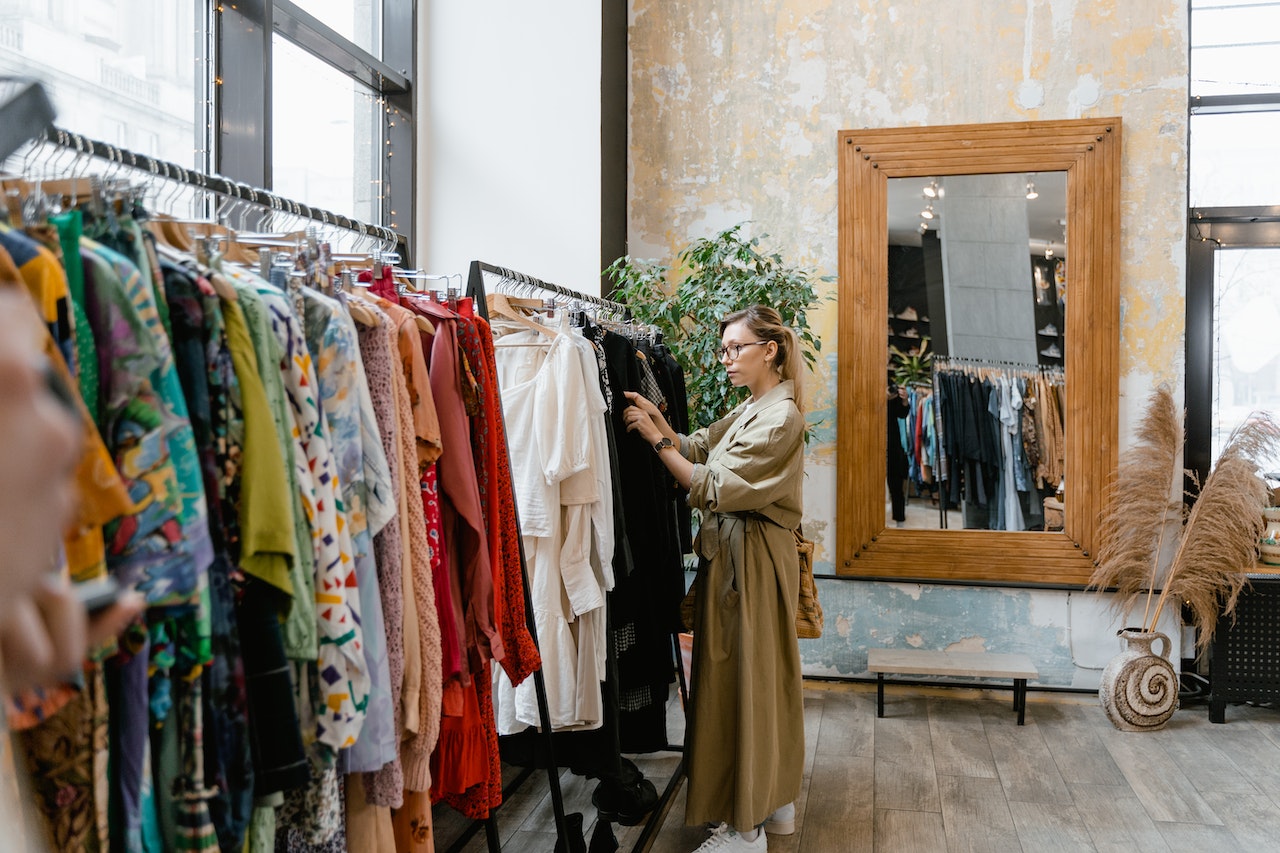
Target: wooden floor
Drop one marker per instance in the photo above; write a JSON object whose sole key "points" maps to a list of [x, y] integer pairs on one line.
{"points": [[949, 770]]}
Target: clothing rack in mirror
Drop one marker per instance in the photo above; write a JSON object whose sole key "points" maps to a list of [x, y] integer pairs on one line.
{"points": [[953, 362], [215, 184]]}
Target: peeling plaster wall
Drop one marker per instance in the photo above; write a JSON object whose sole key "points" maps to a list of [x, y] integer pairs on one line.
{"points": [[734, 113]]}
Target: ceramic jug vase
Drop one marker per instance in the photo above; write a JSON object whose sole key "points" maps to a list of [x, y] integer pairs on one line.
{"points": [[1139, 689]]}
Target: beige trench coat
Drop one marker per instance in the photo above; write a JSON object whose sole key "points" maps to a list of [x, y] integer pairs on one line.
{"points": [[745, 745]]}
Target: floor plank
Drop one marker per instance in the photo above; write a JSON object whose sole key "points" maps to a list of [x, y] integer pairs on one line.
{"points": [[1070, 732], [1251, 817], [847, 725], [1199, 755], [976, 815], [960, 745], [904, 774], [1257, 759], [1116, 820], [1198, 836], [839, 808], [1165, 791], [1050, 828], [1027, 769], [909, 831]]}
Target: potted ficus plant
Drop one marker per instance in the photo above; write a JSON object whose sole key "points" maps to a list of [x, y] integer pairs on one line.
{"points": [[1156, 553]]}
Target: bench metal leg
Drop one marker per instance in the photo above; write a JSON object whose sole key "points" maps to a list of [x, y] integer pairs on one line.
{"points": [[1020, 699], [880, 694]]}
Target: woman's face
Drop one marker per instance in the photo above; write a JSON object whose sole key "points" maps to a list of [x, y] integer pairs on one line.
{"points": [[754, 358]]}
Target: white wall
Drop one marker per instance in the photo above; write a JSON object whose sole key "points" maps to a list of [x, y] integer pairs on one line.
{"points": [[509, 138]]}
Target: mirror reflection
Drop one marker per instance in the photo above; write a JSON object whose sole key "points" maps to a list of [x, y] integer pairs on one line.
{"points": [[976, 343]]}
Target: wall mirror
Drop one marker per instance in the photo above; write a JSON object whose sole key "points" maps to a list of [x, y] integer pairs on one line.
{"points": [[976, 324], [991, 251]]}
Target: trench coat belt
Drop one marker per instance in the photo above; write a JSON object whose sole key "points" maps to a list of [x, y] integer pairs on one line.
{"points": [[719, 528]]}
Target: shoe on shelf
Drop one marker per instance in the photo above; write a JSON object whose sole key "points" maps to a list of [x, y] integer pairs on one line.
{"points": [[1051, 351], [726, 839], [1049, 331], [924, 319], [783, 821], [908, 313], [912, 332]]}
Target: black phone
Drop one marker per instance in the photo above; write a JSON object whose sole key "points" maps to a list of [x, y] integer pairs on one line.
{"points": [[98, 595], [59, 389], [893, 387]]}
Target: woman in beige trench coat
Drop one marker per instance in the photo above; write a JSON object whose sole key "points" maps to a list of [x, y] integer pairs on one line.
{"points": [[745, 749]]}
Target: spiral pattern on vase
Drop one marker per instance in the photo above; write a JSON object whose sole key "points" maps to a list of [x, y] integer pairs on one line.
{"points": [[1145, 692]]}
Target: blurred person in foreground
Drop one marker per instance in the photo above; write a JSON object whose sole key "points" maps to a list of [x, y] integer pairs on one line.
{"points": [[45, 631]]}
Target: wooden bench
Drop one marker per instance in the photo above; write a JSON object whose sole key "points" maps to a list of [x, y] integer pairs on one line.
{"points": [[974, 664]]}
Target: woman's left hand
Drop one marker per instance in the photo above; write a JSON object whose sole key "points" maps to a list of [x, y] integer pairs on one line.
{"points": [[639, 421]]}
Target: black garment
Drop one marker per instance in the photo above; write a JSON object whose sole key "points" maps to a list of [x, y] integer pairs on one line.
{"points": [[646, 605], [275, 734], [896, 466], [678, 417]]}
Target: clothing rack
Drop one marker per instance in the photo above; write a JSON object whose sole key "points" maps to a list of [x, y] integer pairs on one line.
{"points": [[216, 184], [476, 290], [475, 283], [945, 362]]}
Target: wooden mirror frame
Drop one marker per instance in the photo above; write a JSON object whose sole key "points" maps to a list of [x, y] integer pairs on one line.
{"points": [[1088, 150]]}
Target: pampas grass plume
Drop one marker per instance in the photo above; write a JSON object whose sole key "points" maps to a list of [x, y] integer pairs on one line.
{"points": [[1216, 543]]}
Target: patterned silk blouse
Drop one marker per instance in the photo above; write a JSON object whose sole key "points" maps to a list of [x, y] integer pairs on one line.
{"points": [[344, 677]]}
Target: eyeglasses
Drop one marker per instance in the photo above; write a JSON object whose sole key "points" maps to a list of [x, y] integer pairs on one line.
{"points": [[733, 352]]}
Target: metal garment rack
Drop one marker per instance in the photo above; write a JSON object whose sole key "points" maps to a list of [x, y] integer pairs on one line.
{"points": [[475, 282], [215, 184], [476, 290]]}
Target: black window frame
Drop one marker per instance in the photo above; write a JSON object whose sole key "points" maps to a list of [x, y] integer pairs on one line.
{"points": [[1210, 229], [241, 108]]}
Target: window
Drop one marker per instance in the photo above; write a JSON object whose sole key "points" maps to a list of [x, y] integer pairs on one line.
{"points": [[327, 157], [120, 71], [1233, 47], [183, 81], [1233, 355], [334, 126]]}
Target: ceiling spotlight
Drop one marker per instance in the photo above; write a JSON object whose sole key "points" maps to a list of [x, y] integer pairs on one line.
{"points": [[924, 226], [1048, 252], [927, 213], [1031, 190], [931, 191]]}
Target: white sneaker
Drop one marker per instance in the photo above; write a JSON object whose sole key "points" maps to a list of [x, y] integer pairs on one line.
{"points": [[1051, 351], [725, 839], [783, 821]]}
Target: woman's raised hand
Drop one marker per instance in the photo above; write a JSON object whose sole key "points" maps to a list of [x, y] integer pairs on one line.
{"points": [[643, 417]]}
